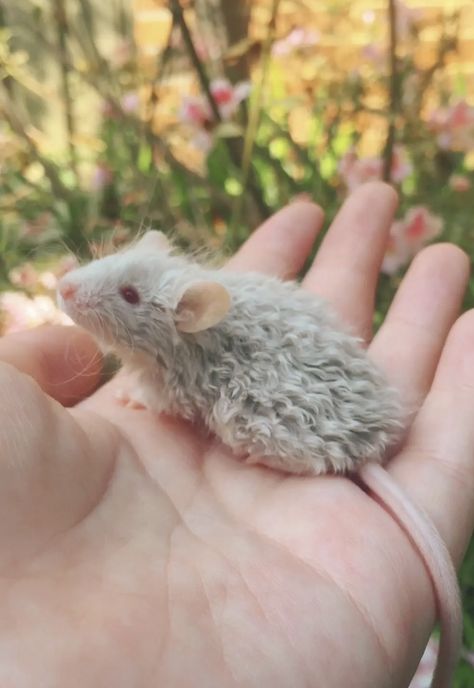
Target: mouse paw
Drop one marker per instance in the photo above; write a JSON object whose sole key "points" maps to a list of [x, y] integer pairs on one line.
{"points": [[131, 399]]}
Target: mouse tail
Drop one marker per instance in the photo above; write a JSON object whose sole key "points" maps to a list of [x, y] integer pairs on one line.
{"points": [[423, 534]]}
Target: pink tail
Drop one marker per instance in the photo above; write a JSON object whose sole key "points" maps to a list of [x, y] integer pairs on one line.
{"points": [[420, 529]]}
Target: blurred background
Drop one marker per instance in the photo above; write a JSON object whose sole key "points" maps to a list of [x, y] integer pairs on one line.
{"points": [[202, 117]]}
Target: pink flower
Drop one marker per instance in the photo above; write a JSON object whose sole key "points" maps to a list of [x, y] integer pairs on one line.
{"points": [[121, 54], [130, 102], [49, 278], [228, 97], [397, 253], [356, 171], [101, 177], [459, 183], [196, 111], [18, 312], [408, 236], [426, 667], [454, 126], [368, 16], [297, 39], [24, 276], [401, 167], [373, 52], [421, 226]]}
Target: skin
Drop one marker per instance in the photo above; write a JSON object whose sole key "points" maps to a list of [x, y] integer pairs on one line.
{"points": [[136, 553]]}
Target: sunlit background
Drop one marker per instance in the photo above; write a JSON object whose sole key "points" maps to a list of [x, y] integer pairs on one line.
{"points": [[203, 117]]}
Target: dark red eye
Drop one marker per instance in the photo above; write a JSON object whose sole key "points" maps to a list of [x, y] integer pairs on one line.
{"points": [[130, 294]]}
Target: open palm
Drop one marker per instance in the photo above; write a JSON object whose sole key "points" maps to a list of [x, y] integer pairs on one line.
{"points": [[136, 553]]}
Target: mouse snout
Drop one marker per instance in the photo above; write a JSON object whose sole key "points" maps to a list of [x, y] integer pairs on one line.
{"points": [[67, 289]]}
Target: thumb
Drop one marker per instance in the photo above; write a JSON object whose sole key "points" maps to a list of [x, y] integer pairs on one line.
{"points": [[64, 361], [54, 470]]}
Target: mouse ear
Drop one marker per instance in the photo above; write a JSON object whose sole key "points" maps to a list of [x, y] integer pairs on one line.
{"points": [[153, 240], [202, 305]]}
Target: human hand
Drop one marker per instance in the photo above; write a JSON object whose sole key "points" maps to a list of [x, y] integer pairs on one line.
{"points": [[135, 554]]}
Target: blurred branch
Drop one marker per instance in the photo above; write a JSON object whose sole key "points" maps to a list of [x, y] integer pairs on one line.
{"points": [[101, 86], [57, 186], [62, 31], [446, 45], [236, 16], [8, 81], [159, 73], [88, 19], [178, 16], [394, 92], [254, 115], [205, 85]]}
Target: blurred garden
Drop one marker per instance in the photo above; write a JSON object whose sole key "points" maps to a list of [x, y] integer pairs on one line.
{"points": [[203, 117]]}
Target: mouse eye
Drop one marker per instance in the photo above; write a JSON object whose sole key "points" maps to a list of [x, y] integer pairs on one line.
{"points": [[130, 295]]}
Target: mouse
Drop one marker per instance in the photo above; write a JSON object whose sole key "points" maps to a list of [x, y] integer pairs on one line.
{"points": [[268, 369]]}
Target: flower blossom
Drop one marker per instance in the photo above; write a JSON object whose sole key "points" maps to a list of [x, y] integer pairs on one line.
{"points": [[459, 183], [196, 111], [356, 171], [374, 52], [298, 39], [130, 102], [24, 276], [27, 277], [454, 126], [19, 312], [122, 54], [408, 236], [102, 176]]}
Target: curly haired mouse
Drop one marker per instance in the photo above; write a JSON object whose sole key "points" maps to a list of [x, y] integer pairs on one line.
{"points": [[267, 368]]}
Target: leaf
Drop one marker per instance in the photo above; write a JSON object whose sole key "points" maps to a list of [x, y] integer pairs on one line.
{"points": [[228, 130]]}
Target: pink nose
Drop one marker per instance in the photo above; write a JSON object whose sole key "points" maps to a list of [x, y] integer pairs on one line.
{"points": [[67, 290]]}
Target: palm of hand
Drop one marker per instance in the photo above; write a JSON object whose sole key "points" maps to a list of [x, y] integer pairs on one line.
{"points": [[136, 552]]}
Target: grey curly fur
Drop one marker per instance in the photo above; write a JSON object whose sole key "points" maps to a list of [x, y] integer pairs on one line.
{"points": [[277, 379]]}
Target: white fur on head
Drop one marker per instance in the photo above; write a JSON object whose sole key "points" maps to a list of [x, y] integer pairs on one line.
{"points": [[202, 306]]}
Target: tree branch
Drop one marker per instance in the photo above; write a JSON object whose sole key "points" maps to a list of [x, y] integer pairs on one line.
{"points": [[234, 153], [394, 92], [62, 31]]}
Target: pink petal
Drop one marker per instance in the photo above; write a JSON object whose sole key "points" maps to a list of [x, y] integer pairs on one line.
{"points": [[459, 183], [194, 110], [242, 91]]}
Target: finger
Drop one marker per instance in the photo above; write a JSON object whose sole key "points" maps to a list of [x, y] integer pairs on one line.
{"points": [[65, 361], [436, 467], [347, 265], [282, 244], [409, 343], [53, 471]]}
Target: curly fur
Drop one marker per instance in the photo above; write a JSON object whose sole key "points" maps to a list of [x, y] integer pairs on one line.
{"points": [[277, 379]]}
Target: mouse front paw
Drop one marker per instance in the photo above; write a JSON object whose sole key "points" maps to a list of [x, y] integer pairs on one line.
{"points": [[134, 399], [141, 398]]}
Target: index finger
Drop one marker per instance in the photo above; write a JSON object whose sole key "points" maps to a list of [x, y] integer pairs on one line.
{"points": [[281, 245]]}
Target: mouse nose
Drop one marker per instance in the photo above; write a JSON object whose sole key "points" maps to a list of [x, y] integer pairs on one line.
{"points": [[67, 289]]}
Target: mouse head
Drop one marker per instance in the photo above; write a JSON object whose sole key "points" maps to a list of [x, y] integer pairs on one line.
{"points": [[143, 299]]}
